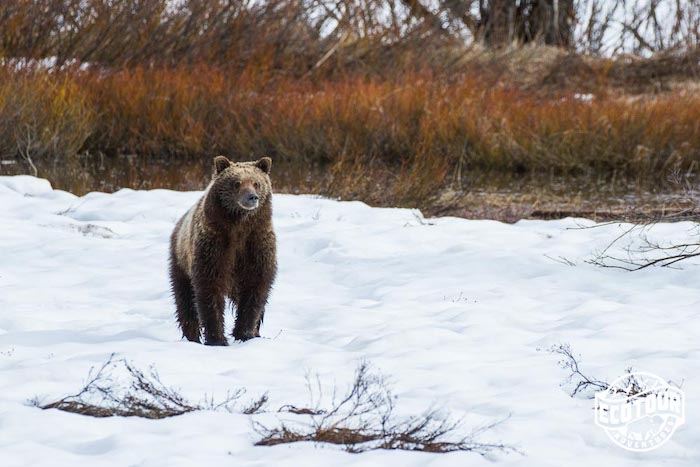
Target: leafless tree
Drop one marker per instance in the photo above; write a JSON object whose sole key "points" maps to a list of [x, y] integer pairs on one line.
{"points": [[128, 32]]}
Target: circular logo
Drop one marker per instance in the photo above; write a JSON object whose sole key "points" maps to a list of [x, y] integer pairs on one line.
{"points": [[640, 411]]}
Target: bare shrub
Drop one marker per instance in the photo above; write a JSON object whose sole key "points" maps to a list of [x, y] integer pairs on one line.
{"points": [[587, 385], [144, 395], [42, 116], [305, 34], [363, 419], [581, 382], [634, 249], [646, 252]]}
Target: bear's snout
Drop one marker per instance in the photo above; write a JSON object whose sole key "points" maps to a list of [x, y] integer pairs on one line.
{"points": [[249, 199]]}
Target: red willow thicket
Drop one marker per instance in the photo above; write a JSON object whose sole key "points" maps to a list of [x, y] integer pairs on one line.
{"points": [[202, 110], [401, 90]]}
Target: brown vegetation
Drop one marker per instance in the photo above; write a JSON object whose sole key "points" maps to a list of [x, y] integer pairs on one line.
{"points": [[299, 36], [420, 126], [364, 419], [361, 420], [143, 395], [397, 101]]}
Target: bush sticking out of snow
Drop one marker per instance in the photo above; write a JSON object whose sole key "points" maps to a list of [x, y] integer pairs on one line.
{"points": [[144, 396], [587, 385], [582, 384], [364, 420]]}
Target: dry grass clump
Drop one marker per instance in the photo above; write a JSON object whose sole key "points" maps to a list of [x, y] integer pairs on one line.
{"points": [[363, 419]]}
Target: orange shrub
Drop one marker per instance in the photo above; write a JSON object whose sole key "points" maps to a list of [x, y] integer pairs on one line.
{"points": [[417, 120], [42, 115]]}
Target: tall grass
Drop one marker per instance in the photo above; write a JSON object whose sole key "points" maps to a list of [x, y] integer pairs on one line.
{"points": [[191, 111], [417, 125]]}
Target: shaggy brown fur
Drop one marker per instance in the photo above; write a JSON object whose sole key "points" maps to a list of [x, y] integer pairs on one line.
{"points": [[224, 246]]}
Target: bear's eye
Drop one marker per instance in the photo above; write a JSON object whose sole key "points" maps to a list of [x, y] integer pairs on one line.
{"points": [[236, 184], [256, 185]]}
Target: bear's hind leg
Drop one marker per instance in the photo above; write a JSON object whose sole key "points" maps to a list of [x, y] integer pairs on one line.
{"points": [[184, 301]]}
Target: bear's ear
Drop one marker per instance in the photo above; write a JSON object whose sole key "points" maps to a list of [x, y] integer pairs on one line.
{"points": [[264, 164], [221, 163]]}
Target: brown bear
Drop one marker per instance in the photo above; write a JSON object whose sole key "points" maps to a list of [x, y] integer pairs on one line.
{"points": [[225, 247]]}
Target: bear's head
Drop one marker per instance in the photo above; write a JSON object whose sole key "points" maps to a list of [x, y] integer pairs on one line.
{"points": [[241, 187]]}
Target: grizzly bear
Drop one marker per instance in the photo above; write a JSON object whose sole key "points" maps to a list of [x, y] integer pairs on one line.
{"points": [[225, 247]]}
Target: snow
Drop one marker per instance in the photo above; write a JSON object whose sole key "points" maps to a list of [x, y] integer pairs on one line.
{"points": [[452, 310]]}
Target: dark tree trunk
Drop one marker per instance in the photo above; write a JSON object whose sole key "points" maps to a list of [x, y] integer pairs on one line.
{"points": [[557, 21], [504, 22], [498, 22]]}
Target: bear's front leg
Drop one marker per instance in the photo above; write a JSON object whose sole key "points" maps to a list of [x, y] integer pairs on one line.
{"points": [[254, 276], [210, 309], [184, 301], [207, 275]]}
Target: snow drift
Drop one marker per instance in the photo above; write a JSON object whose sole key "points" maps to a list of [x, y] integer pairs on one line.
{"points": [[453, 310]]}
